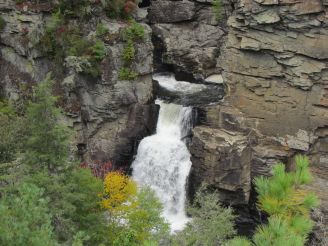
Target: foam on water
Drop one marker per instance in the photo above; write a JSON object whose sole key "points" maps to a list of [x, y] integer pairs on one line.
{"points": [[163, 162]]}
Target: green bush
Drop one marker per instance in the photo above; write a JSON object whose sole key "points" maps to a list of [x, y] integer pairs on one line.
{"points": [[25, 218], [118, 8], [127, 74], [284, 198], [129, 52], [98, 50], [217, 9], [2, 23], [211, 223], [101, 30], [135, 32]]}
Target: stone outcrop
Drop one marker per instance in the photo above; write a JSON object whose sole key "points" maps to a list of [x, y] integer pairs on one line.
{"points": [[275, 65], [168, 11], [190, 37], [271, 56], [273, 59], [109, 116]]}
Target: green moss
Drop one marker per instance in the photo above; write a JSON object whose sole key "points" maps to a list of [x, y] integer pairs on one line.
{"points": [[2, 23], [127, 74], [128, 52], [98, 50], [134, 32], [217, 9], [119, 8], [62, 40], [101, 30]]}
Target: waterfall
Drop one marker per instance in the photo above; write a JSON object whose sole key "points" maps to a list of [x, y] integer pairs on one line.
{"points": [[163, 161]]}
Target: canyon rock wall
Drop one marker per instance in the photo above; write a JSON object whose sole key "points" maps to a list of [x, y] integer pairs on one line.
{"points": [[272, 57], [108, 115], [275, 64]]}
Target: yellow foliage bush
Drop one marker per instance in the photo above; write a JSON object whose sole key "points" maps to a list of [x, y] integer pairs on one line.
{"points": [[119, 192]]}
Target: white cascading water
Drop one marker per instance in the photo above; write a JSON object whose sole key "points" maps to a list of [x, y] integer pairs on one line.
{"points": [[163, 162]]}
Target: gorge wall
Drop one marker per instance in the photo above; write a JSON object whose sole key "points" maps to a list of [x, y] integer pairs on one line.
{"points": [[271, 56], [108, 115]]}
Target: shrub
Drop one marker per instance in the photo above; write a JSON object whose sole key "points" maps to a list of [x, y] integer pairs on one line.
{"points": [[119, 8], [98, 50], [217, 9], [211, 223], [128, 52], [283, 193], [288, 204], [127, 74], [101, 30], [25, 218], [119, 192], [135, 32], [2, 23]]}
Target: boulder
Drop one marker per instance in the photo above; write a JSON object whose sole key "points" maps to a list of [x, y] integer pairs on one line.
{"points": [[164, 11], [222, 160]]}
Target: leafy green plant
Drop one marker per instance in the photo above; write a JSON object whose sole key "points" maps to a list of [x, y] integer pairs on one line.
{"points": [[25, 218], [211, 223], [217, 9], [127, 74], [2, 23], [101, 29], [128, 52], [134, 32], [284, 198], [98, 50]]}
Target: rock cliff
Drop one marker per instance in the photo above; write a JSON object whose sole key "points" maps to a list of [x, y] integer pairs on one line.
{"points": [[109, 115], [271, 56]]}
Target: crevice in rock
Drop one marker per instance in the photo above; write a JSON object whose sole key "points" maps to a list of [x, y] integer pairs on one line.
{"points": [[144, 4]]}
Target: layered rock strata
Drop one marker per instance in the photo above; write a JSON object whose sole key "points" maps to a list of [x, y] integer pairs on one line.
{"points": [[108, 115]]}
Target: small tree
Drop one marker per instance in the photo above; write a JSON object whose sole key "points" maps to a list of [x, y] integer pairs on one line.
{"points": [[25, 218], [47, 145], [119, 192], [283, 194], [134, 216], [74, 192], [145, 218], [284, 198], [211, 223]]}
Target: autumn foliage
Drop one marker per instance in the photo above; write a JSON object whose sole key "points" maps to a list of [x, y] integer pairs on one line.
{"points": [[99, 169], [119, 191]]}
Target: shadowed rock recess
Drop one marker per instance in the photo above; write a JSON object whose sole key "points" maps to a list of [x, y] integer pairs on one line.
{"points": [[271, 56]]}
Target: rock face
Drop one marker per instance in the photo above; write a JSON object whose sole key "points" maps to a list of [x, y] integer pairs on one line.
{"points": [[271, 56], [275, 65], [189, 34], [109, 116], [273, 60]]}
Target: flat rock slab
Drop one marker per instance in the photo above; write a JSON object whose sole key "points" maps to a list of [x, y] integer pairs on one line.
{"points": [[171, 11]]}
